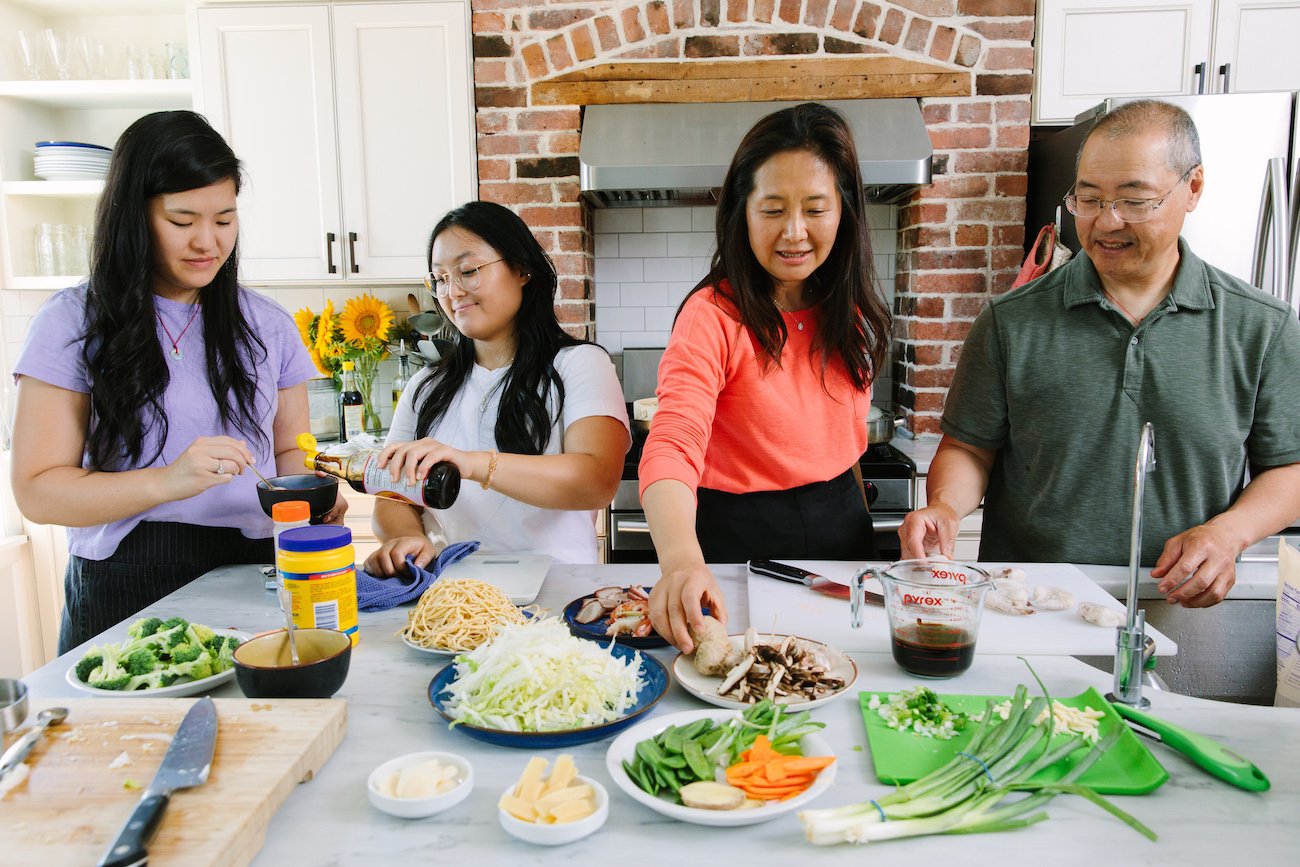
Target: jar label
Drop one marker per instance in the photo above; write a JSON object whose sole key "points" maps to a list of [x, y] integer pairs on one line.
{"points": [[324, 600], [379, 482]]}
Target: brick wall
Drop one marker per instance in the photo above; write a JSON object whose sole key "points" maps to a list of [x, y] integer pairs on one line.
{"points": [[959, 240]]}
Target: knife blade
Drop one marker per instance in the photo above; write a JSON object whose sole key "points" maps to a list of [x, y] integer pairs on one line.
{"points": [[186, 764], [811, 580], [1213, 757]]}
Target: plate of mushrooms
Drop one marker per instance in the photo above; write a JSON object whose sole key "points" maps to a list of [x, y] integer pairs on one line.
{"points": [[738, 670]]}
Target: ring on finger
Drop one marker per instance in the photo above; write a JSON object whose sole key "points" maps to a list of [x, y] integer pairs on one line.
{"points": [[221, 467]]}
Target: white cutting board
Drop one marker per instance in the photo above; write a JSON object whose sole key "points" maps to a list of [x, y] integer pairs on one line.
{"points": [[520, 576], [780, 607]]}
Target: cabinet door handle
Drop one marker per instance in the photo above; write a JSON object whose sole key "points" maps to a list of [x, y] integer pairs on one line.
{"points": [[329, 253], [1199, 72], [1224, 71], [352, 252]]}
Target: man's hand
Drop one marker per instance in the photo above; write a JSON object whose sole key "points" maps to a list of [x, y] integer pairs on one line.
{"points": [[676, 600], [929, 530], [1197, 567]]}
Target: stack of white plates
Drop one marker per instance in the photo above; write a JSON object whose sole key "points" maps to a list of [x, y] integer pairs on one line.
{"points": [[71, 160]]}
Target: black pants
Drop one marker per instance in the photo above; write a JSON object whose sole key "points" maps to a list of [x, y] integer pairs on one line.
{"points": [[820, 521], [155, 559]]}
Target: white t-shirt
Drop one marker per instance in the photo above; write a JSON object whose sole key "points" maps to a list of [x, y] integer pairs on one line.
{"points": [[591, 388]]}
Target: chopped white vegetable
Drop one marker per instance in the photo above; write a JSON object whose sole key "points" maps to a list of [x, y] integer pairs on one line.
{"points": [[123, 759]]}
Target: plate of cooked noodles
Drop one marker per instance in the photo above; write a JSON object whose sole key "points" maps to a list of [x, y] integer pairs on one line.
{"points": [[457, 615]]}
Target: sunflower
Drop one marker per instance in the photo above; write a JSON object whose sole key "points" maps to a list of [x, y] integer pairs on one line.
{"points": [[303, 319], [320, 365], [325, 329], [365, 318]]}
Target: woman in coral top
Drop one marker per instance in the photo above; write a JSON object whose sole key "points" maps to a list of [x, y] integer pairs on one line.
{"points": [[766, 382]]}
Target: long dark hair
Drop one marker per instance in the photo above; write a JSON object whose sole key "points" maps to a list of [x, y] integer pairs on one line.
{"points": [[855, 322], [164, 152], [524, 420]]}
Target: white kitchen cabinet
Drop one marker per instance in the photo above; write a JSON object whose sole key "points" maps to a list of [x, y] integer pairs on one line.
{"points": [[1089, 50], [355, 125]]}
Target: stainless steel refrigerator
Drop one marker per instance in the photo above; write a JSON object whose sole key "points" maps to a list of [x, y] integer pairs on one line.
{"points": [[1248, 219]]}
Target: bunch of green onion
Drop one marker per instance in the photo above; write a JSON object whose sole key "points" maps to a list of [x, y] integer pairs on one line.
{"points": [[966, 795]]}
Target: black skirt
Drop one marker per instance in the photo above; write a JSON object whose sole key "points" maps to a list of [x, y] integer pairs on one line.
{"points": [[819, 521], [154, 559]]}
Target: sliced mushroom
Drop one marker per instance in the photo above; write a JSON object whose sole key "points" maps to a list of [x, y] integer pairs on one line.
{"points": [[736, 675]]}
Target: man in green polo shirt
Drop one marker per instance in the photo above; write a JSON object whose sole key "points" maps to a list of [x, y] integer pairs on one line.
{"points": [[1056, 379]]}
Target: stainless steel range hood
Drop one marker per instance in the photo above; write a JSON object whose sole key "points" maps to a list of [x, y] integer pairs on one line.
{"points": [[677, 154]]}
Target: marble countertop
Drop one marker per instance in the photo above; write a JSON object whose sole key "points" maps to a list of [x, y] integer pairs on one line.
{"points": [[330, 821]]}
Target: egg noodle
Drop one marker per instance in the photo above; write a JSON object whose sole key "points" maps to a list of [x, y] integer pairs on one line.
{"points": [[460, 614]]}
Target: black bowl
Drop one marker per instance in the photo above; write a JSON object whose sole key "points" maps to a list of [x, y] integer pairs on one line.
{"points": [[265, 669], [319, 492]]}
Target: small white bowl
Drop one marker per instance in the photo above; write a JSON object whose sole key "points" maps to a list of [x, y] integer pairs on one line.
{"points": [[418, 808], [558, 835]]}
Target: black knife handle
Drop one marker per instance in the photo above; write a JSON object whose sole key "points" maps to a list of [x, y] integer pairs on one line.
{"points": [[780, 571], [131, 846]]}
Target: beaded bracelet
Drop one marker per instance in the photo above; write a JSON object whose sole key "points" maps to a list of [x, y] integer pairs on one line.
{"points": [[492, 468]]}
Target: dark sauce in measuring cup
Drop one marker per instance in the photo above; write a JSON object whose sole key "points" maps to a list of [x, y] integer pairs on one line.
{"points": [[933, 649]]}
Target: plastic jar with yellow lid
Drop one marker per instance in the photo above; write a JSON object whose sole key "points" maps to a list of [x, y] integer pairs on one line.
{"points": [[318, 566]]}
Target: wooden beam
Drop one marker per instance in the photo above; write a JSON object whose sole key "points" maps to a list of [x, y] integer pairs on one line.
{"points": [[867, 77]]}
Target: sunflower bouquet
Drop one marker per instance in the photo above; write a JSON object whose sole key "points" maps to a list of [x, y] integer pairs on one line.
{"points": [[359, 334]]}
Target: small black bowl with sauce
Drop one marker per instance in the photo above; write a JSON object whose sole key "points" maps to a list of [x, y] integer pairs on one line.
{"points": [[319, 492]]}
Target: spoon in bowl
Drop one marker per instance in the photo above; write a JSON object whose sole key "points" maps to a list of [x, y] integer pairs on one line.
{"points": [[266, 480], [286, 605], [15, 754]]}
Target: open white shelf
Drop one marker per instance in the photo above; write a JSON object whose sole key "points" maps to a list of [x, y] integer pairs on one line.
{"points": [[52, 188], [150, 94]]}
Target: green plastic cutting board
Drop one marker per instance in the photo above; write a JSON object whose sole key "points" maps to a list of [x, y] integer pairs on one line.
{"points": [[1127, 768]]}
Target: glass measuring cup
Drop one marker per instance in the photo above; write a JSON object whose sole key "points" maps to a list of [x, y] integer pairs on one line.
{"points": [[934, 611]]}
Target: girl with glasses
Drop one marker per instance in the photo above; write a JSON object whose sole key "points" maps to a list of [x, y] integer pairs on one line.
{"points": [[533, 415]]}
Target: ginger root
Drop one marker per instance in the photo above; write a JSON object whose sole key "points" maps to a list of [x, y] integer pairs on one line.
{"points": [[714, 655]]}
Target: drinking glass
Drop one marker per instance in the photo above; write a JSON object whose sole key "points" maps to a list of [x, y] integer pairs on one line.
{"points": [[44, 247], [93, 56], [59, 44], [137, 63], [31, 54], [178, 60]]}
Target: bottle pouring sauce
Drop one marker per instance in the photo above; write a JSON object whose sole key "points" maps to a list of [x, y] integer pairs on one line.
{"points": [[361, 470]]}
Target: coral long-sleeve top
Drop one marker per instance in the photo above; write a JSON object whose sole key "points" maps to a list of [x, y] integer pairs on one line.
{"points": [[726, 423]]}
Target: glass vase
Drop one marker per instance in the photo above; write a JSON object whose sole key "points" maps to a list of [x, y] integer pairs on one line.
{"points": [[367, 373]]}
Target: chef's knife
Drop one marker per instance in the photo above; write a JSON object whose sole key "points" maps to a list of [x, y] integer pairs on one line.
{"points": [[186, 764], [811, 580], [1211, 755]]}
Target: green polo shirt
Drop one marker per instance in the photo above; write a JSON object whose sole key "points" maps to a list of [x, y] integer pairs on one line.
{"points": [[1056, 380]]}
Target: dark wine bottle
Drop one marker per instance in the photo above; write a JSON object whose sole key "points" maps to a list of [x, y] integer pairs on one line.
{"points": [[352, 419]]}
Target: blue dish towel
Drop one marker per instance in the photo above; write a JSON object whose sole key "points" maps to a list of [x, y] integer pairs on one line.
{"points": [[381, 594]]}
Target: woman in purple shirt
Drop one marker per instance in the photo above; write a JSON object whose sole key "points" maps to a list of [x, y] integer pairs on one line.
{"points": [[145, 392]]}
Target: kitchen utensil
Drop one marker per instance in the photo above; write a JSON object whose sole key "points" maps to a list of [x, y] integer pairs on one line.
{"points": [[72, 803], [263, 668], [1211, 755], [412, 304], [898, 757], [286, 607], [16, 753], [13, 704], [269, 485], [934, 611], [185, 765], [426, 323], [811, 580], [880, 427]]}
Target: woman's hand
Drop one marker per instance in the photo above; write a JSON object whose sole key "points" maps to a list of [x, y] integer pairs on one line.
{"points": [[414, 459], [340, 508], [675, 603], [205, 463], [390, 559]]}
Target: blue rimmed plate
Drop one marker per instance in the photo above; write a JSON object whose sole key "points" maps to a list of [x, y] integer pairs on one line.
{"points": [[653, 673], [596, 629]]}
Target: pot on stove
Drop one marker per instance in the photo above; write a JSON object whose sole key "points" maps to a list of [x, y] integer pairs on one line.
{"points": [[881, 426]]}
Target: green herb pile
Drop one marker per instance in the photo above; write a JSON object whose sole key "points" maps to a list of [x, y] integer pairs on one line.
{"points": [[157, 653], [693, 753], [920, 711]]}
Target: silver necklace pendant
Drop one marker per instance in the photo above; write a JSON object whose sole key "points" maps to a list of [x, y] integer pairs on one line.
{"points": [[798, 325], [178, 355]]}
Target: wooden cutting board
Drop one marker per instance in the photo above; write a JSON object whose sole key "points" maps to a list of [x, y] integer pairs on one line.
{"points": [[775, 606], [73, 804]]}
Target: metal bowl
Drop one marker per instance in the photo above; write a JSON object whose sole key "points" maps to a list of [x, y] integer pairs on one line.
{"points": [[881, 429], [13, 704]]}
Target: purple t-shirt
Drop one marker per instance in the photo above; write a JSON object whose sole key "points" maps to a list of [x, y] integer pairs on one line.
{"points": [[52, 354]]}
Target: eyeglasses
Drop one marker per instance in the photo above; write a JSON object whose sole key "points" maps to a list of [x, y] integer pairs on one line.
{"points": [[465, 278], [1127, 210]]}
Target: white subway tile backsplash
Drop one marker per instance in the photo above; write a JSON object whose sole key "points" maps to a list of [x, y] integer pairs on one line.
{"points": [[676, 268], [620, 270], [667, 219], [690, 243], [620, 318], [702, 219], [644, 294], [645, 339], [608, 294], [645, 245], [606, 246], [660, 318], [618, 220]]}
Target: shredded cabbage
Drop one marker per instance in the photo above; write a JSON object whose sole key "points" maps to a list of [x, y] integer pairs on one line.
{"points": [[536, 677]]}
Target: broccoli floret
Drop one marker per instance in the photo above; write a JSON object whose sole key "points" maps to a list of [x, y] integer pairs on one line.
{"points": [[196, 670], [116, 683], [140, 661], [226, 657], [186, 652], [91, 661], [201, 634], [144, 627], [173, 622], [152, 680], [168, 678]]}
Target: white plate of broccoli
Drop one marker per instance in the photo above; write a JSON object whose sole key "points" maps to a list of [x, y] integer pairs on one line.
{"points": [[158, 658]]}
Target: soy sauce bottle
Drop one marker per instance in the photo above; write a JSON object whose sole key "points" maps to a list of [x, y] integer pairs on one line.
{"points": [[361, 471], [351, 419]]}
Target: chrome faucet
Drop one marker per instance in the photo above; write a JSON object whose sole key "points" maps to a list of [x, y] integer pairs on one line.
{"points": [[1130, 639]]}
